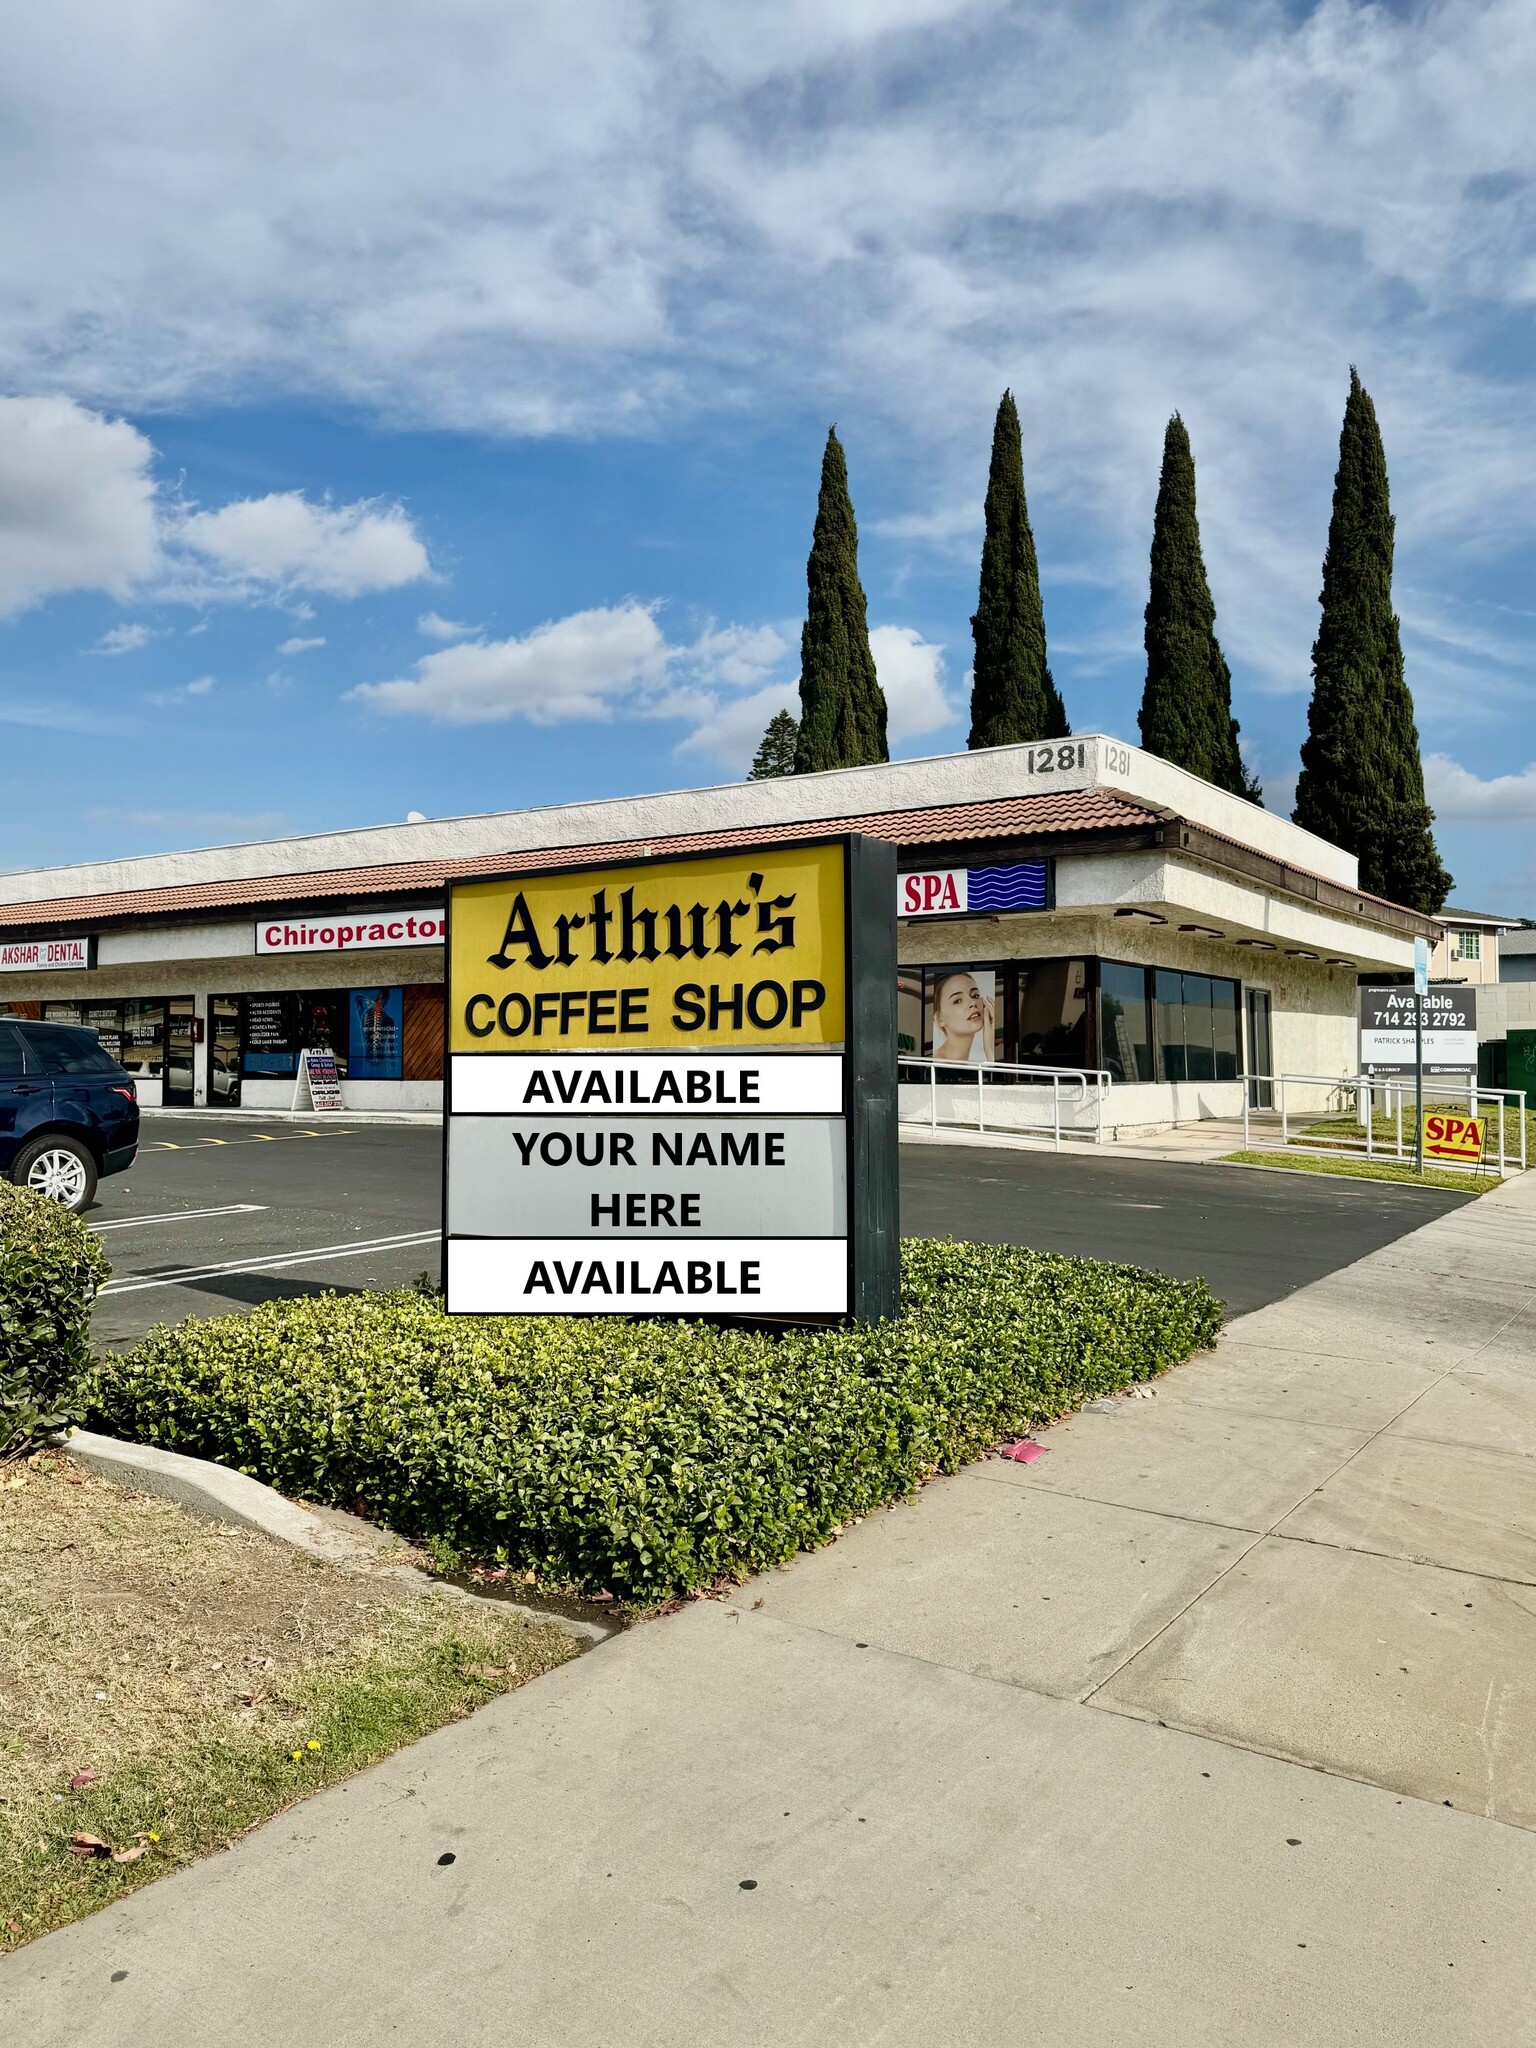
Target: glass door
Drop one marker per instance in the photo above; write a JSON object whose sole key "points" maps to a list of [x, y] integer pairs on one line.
{"points": [[1261, 1061], [224, 1052], [178, 1053]]}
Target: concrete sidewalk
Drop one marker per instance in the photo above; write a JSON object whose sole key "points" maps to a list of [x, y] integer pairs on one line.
{"points": [[1215, 1725]]}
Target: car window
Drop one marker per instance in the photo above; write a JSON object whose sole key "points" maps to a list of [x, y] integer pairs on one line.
{"points": [[63, 1049], [13, 1058]]}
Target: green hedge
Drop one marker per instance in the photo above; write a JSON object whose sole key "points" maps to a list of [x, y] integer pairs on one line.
{"points": [[646, 1458], [50, 1269]]}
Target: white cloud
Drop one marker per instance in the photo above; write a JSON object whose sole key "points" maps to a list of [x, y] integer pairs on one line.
{"points": [[80, 510], [245, 824], [911, 672], [571, 668], [735, 656], [436, 627], [728, 728], [284, 542], [77, 502], [614, 216], [300, 646], [201, 686], [1455, 792], [123, 640], [729, 732]]}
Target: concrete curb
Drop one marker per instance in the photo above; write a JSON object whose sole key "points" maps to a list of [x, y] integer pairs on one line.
{"points": [[220, 1494]]}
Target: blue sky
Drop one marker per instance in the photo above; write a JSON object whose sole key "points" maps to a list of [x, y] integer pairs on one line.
{"points": [[419, 408]]}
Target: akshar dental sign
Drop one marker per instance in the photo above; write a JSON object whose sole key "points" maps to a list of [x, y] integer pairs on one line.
{"points": [[671, 1087], [33, 956]]}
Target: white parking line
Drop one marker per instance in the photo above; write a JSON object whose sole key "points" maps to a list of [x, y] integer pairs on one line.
{"points": [[187, 1276], [178, 1216]]}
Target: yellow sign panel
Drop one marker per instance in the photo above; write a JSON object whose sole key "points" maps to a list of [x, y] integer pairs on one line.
{"points": [[1449, 1136], [740, 948]]}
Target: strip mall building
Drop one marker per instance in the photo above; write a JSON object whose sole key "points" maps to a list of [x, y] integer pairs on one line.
{"points": [[1078, 904]]}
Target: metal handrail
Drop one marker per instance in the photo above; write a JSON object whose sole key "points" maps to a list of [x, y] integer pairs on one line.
{"points": [[1098, 1078], [1369, 1085]]}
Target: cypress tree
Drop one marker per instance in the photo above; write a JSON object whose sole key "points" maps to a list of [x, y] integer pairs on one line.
{"points": [[1012, 695], [842, 707], [1186, 706], [1362, 781], [775, 754]]}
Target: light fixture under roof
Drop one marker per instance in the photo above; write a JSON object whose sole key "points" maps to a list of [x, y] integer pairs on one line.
{"points": [[1151, 916], [1260, 945], [1299, 953], [1338, 960], [1203, 931]]}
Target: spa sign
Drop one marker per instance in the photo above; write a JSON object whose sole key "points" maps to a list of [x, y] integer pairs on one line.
{"points": [[671, 1087]]}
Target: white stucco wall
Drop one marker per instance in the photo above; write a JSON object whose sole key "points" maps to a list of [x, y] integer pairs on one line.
{"points": [[1096, 762]]}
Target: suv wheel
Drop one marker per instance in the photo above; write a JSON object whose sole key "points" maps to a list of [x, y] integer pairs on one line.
{"points": [[60, 1168]]}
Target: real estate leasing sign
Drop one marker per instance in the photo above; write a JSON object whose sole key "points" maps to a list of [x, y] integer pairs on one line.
{"points": [[672, 1087]]}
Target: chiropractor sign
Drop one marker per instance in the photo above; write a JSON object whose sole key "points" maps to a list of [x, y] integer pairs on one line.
{"points": [[668, 1087]]}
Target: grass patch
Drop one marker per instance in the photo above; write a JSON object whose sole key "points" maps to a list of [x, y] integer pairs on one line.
{"points": [[1362, 1168], [167, 1684], [1349, 1130], [644, 1460]]}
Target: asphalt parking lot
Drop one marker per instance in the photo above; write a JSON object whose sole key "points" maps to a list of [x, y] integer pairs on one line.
{"points": [[218, 1213]]}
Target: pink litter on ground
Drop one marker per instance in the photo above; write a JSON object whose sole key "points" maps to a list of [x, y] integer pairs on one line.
{"points": [[1024, 1452]]}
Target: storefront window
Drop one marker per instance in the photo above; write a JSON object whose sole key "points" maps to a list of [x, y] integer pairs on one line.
{"points": [[277, 1028], [1226, 1030], [1052, 1028], [143, 1051], [909, 1010], [1125, 1032], [1197, 1031], [106, 1020]]}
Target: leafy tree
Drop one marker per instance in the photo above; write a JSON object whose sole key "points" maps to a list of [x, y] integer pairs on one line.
{"points": [[1186, 706], [1362, 781], [842, 707], [1013, 697], [776, 750]]}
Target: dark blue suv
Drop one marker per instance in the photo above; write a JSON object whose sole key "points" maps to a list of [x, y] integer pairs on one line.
{"points": [[68, 1111]]}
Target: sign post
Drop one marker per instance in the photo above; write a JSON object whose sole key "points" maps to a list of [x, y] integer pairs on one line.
{"points": [[671, 1087], [1420, 991]]}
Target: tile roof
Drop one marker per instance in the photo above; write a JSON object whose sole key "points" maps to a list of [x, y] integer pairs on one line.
{"points": [[1059, 811]]}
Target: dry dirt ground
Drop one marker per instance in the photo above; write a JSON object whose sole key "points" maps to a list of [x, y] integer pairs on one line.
{"points": [[167, 1683]]}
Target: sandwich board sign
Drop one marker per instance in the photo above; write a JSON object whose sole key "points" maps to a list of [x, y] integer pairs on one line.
{"points": [[1448, 1135], [319, 1077], [671, 1087]]}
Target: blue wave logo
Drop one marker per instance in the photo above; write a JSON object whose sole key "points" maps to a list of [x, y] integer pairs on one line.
{"points": [[1015, 888]]}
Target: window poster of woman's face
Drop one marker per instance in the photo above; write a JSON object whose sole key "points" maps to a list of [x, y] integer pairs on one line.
{"points": [[962, 1014]]}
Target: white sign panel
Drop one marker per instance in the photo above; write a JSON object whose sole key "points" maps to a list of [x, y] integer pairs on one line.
{"points": [[719, 1176], [358, 931], [715, 1276], [32, 956], [1387, 1037], [598, 1083]]}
